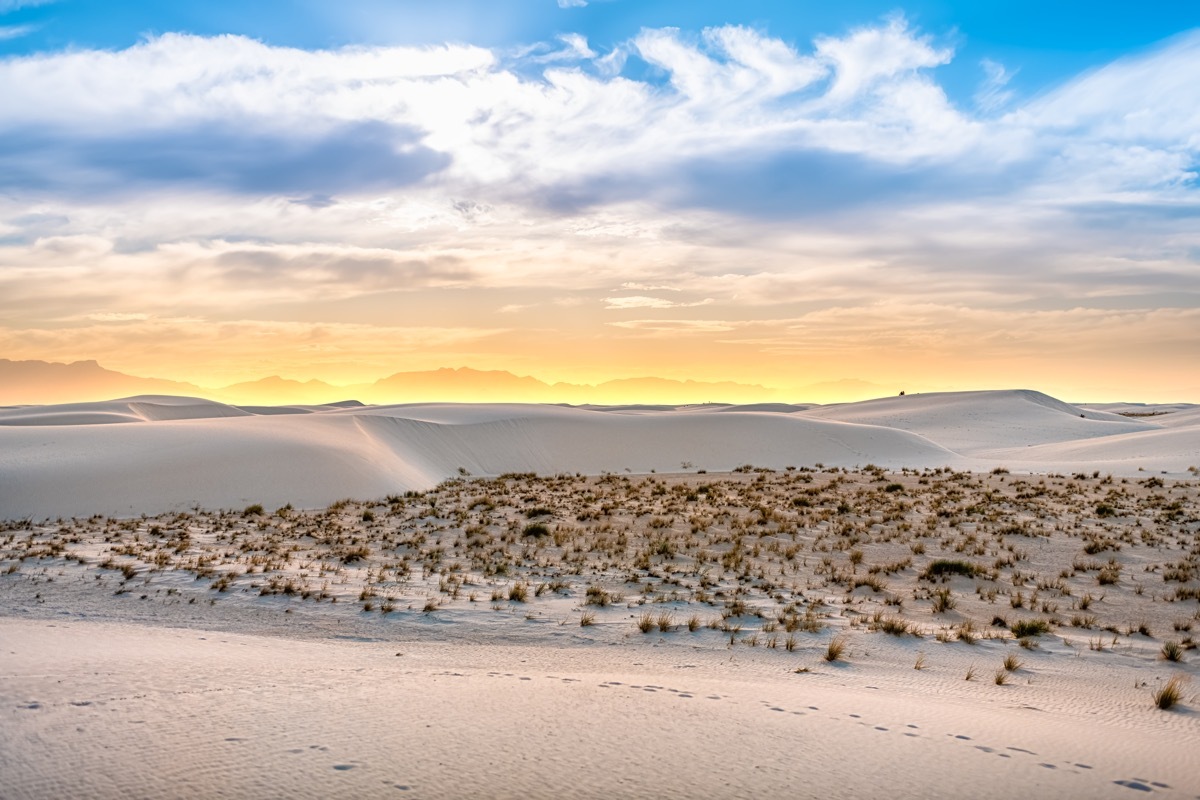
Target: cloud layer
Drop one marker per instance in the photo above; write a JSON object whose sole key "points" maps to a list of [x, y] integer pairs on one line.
{"points": [[779, 192]]}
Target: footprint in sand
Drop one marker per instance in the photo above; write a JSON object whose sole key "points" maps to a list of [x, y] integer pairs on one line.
{"points": [[1134, 784]]}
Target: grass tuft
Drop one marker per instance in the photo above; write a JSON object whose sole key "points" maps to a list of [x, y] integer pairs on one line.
{"points": [[1170, 693], [836, 648], [1171, 651], [1029, 627]]}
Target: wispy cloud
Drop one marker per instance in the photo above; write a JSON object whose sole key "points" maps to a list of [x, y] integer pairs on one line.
{"points": [[641, 301], [15, 31], [993, 93], [7, 6]]}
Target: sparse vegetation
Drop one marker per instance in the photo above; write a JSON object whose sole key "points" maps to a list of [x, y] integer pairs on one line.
{"points": [[764, 557]]}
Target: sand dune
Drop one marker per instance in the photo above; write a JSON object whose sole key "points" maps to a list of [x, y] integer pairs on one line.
{"points": [[313, 459], [175, 453], [970, 422]]}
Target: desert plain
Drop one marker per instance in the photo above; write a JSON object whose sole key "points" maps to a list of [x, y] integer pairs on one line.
{"points": [[975, 594]]}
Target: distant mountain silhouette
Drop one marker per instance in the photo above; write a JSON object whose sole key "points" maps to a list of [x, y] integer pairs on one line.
{"points": [[44, 383], [41, 382], [471, 385], [282, 391]]}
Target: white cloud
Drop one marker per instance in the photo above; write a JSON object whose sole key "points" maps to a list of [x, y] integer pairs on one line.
{"points": [[572, 3], [675, 326], [116, 316], [12, 5], [992, 94], [15, 31], [641, 301], [869, 58]]}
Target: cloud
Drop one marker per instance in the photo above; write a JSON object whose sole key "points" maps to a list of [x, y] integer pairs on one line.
{"points": [[15, 31], [812, 192], [113, 316], [638, 301], [348, 157], [7, 6], [992, 93], [572, 3], [871, 58], [675, 326]]}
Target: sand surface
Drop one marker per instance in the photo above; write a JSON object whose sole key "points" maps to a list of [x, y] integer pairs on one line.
{"points": [[153, 454], [544, 601], [633, 636], [119, 711]]}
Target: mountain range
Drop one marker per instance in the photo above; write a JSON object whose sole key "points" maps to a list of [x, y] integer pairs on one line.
{"points": [[43, 382]]}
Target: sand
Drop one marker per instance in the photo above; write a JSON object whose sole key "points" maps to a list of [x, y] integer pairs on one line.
{"points": [[598, 629], [179, 453]]}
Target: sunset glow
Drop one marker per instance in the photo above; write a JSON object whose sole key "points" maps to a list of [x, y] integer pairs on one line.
{"points": [[924, 198]]}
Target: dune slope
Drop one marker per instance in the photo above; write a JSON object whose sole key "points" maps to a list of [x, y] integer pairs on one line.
{"points": [[175, 453]]}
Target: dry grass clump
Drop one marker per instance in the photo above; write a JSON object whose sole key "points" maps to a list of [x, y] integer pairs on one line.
{"points": [[1029, 627], [836, 648], [1170, 693], [1171, 651], [946, 567]]}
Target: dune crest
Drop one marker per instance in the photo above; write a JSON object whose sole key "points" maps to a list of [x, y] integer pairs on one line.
{"points": [[179, 452]]}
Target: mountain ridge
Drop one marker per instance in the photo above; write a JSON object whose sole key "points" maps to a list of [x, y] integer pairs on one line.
{"points": [[36, 382]]}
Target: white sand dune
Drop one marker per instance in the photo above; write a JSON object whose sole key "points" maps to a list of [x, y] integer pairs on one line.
{"points": [[971, 422], [176, 453], [145, 408], [1172, 450], [313, 459]]}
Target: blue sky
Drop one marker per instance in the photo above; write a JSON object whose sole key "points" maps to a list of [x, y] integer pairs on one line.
{"points": [[974, 194], [1040, 42]]}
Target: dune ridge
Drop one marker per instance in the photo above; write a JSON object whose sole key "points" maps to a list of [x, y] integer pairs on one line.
{"points": [[170, 453]]}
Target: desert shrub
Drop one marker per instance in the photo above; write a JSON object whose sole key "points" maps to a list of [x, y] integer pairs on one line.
{"points": [[1170, 693], [945, 566], [943, 601], [836, 648], [1171, 651], [1029, 627]]}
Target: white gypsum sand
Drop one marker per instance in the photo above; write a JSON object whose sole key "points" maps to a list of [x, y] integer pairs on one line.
{"points": [[628, 635], [153, 454], [1012, 586]]}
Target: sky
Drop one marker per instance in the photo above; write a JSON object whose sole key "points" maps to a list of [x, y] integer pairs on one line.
{"points": [[923, 196]]}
